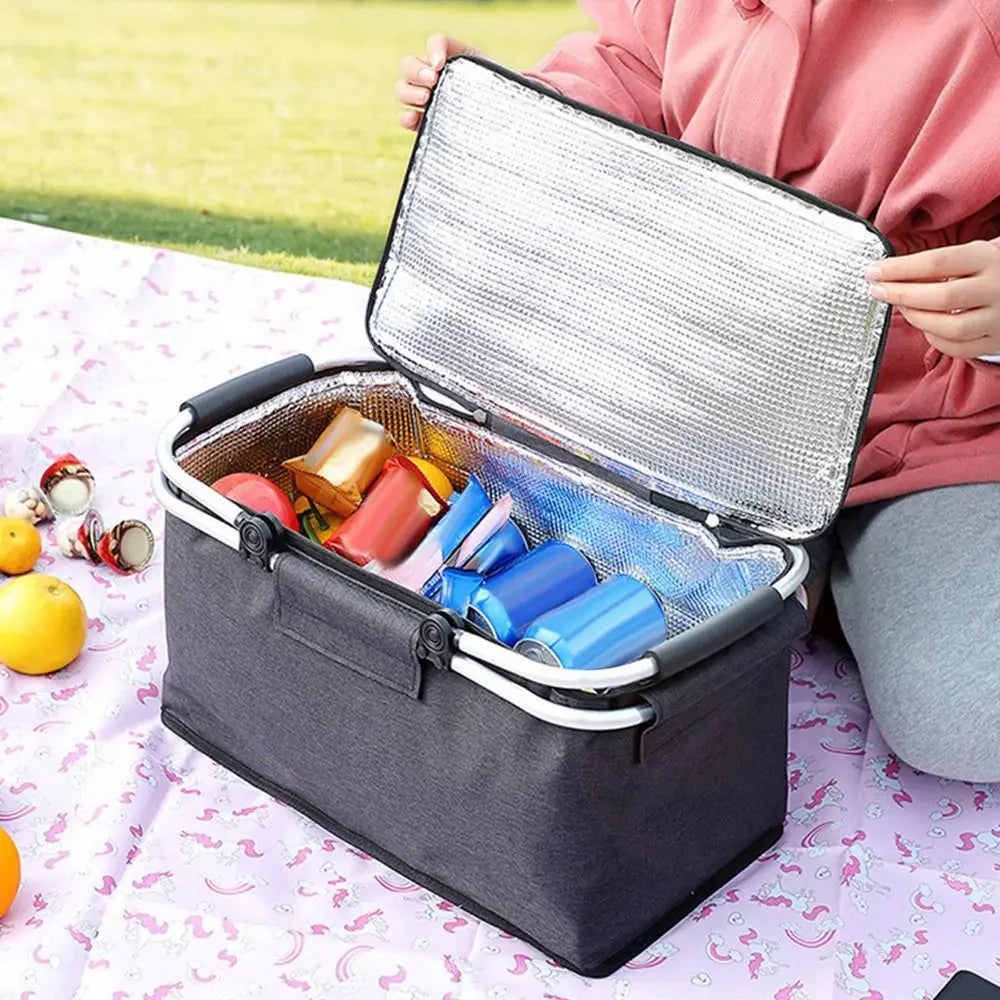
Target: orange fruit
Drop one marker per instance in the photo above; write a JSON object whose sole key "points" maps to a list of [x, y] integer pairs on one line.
{"points": [[20, 546], [43, 624], [10, 871], [440, 483]]}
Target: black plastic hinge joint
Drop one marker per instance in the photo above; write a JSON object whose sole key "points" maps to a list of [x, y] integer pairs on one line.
{"points": [[260, 535], [434, 640]]}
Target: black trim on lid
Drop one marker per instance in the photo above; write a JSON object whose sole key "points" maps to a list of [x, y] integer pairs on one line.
{"points": [[666, 140]]}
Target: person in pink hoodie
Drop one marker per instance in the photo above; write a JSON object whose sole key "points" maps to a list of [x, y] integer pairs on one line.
{"points": [[891, 109]]}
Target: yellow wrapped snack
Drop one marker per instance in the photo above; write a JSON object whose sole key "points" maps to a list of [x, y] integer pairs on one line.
{"points": [[345, 460]]}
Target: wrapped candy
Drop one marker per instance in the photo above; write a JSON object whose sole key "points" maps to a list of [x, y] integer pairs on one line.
{"points": [[343, 462], [68, 538], [127, 547], [28, 503], [91, 532], [395, 515], [68, 484], [78, 537]]}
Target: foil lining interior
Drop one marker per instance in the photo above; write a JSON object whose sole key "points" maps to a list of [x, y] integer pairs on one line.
{"points": [[618, 531], [698, 330]]}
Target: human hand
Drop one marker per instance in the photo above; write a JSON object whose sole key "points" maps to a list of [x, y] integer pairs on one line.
{"points": [[418, 76], [951, 294]]}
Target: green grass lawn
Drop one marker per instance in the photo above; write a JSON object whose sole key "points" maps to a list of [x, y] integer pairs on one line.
{"points": [[258, 131]]}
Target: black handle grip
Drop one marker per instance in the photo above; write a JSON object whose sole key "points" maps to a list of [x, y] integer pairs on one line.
{"points": [[240, 393], [706, 639]]}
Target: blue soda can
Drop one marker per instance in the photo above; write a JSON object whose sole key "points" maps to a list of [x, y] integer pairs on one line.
{"points": [[606, 626], [507, 602], [457, 588], [504, 547]]}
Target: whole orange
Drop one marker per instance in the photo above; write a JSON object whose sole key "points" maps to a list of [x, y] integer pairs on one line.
{"points": [[10, 872], [20, 546], [43, 624]]}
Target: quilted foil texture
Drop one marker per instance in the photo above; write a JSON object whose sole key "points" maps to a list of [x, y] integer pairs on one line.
{"points": [[618, 532], [708, 334]]}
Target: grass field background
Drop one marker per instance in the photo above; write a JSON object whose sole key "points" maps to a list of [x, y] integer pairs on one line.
{"points": [[258, 131]]}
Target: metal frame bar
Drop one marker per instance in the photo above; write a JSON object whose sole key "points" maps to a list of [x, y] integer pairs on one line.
{"points": [[587, 719]]}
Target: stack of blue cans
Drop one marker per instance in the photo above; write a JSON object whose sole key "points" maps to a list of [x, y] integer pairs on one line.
{"points": [[547, 604]]}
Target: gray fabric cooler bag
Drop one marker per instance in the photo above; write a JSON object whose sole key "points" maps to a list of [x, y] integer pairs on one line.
{"points": [[667, 361]]}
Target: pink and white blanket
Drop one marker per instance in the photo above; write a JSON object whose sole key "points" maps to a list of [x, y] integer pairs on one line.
{"points": [[152, 874]]}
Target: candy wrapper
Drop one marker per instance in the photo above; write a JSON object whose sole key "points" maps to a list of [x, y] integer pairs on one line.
{"points": [[127, 547], [78, 537], [344, 461], [68, 485], [395, 515], [424, 564], [28, 503]]}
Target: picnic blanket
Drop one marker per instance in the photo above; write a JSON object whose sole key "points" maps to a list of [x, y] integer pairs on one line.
{"points": [[151, 873]]}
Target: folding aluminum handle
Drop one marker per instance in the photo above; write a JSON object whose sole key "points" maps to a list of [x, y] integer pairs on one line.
{"points": [[207, 409]]}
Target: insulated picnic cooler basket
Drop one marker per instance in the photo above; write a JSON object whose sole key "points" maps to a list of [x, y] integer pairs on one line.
{"points": [[667, 361]]}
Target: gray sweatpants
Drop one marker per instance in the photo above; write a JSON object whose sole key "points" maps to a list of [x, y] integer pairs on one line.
{"points": [[916, 583]]}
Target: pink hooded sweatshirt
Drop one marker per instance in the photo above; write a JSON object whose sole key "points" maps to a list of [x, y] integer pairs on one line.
{"points": [[889, 108]]}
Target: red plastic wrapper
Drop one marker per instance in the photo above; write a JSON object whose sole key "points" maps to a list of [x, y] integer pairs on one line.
{"points": [[79, 537], [127, 547], [392, 519], [90, 535], [68, 484]]}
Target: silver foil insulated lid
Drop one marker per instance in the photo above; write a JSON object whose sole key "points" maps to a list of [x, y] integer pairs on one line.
{"points": [[704, 331]]}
